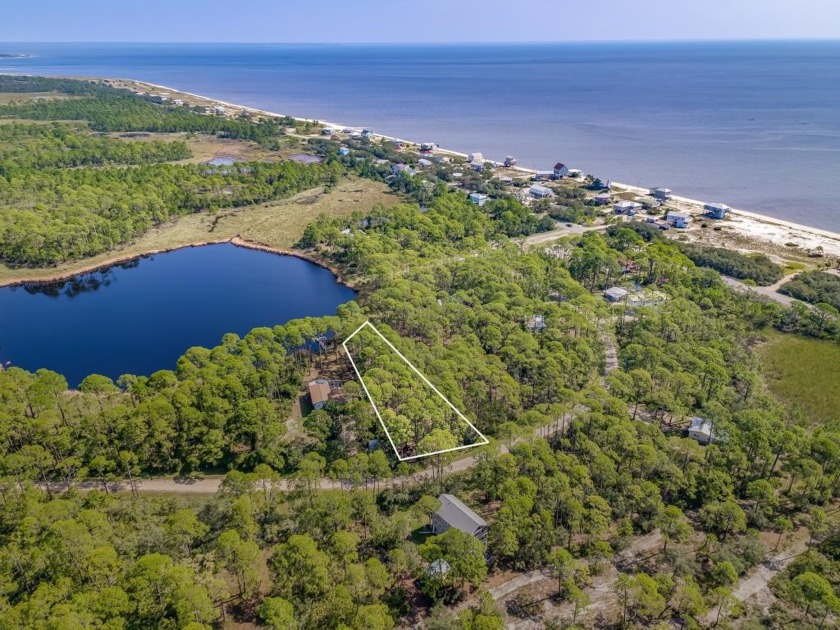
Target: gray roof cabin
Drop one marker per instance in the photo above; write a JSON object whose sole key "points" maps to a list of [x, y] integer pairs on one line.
{"points": [[453, 513]]}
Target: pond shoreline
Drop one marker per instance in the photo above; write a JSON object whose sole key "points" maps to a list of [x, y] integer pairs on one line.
{"points": [[51, 276]]}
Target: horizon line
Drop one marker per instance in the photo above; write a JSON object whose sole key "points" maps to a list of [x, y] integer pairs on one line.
{"points": [[722, 40]]}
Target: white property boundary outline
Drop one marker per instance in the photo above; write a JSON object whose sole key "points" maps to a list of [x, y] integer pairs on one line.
{"points": [[435, 389]]}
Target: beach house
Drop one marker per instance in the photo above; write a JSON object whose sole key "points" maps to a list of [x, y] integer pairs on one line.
{"points": [[319, 392], [625, 206], [663, 194], [560, 170], [602, 199], [540, 192], [679, 218], [701, 429], [453, 513], [716, 210], [510, 161], [343, 151], [428, 146], [478, 199], [367, 133]]}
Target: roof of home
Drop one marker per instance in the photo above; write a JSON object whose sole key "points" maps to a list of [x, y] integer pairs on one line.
{"points": [[559, 166], [702, 425], [679, 214], [319, 390], [457, 515], [540, 189], [717, 206], [616, 292]]}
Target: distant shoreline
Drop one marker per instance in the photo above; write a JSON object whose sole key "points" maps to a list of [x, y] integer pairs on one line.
{"points": [[51, 276]]}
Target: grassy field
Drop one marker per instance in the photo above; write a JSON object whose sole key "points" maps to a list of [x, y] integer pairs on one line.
{"points": [[803, 373], [21, 97], [278, 225]]}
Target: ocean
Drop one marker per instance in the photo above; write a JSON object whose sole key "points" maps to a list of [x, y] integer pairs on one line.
{"points": [[754, 125]]}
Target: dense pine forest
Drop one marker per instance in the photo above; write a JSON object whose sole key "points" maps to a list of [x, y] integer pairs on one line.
{"points": [[589, 461]]}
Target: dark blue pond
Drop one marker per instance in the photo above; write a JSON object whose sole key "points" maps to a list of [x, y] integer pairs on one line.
{"points": [[140, 316]]}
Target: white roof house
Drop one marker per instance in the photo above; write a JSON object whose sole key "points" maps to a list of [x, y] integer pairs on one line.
{"points": [[475, 157], [439, 567], [661, 193], [540, 192], [716, 210], [602, 198], [701, 429], [453, 513], [626, 206], [678, 218], [478, 199], [615, 294]]}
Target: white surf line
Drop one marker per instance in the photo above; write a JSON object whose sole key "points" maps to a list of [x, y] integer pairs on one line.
{"points": [[425, 380]]}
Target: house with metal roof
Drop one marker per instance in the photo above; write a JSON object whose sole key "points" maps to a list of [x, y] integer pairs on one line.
{"points": [[701, 429], [716, 210], [627, 207], [540, 192], [319, 392], [453, 513], [679, 218], [615, 294]]}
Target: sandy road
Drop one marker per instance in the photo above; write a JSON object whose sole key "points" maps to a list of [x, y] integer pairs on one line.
{"points": [[210, 484]]}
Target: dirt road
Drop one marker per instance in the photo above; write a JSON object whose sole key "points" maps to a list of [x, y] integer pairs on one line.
{"points": [[210, 484], [755, 584]]}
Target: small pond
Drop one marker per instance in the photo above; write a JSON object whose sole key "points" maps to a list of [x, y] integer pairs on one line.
{"points": [[140, 316]]}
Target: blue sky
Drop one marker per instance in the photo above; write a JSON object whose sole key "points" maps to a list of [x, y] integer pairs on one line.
{"points": [[414, 20]]}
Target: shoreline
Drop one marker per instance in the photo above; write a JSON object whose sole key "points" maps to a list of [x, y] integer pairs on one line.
{"points": [[52, 276], [748, 221]]}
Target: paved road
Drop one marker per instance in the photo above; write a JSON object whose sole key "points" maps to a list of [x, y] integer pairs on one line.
{"points": [[768, 292]]}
